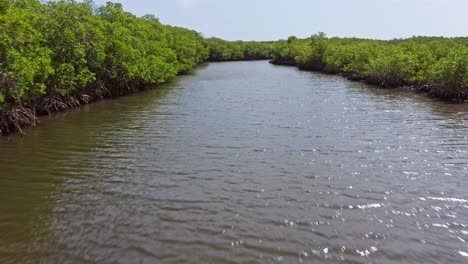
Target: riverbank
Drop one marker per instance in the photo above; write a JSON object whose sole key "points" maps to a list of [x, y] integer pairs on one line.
{"points": [[105, 53], [108, 52], [21, 117], [436, 66], [435, 90]]}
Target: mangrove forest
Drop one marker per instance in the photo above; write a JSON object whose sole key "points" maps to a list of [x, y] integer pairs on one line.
{"points": [[61, 54]]}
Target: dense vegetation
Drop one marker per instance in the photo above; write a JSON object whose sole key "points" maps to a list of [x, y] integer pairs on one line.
{"points": [[60, 54], [435, 65], [222, 50]]}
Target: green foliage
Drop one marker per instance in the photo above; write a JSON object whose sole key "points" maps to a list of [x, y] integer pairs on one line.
{"points": [[189, 48], [64, 48], [453, 68], [67, 48], [388, 63], [5, 5], [221, 50], [311, 56], [68, 34], [24, 61]]}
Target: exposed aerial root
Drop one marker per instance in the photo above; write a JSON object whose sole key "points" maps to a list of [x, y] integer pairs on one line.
{"points": [[53, 104], [457, 94], [85, 99], [17, 119]]}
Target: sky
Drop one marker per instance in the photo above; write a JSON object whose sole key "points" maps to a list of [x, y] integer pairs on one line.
{"points": [[279, 19]]}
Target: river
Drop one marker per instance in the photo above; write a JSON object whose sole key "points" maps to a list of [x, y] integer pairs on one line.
{"points": [[241, 162]]}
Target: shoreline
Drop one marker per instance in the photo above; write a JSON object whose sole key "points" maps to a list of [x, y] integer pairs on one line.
{"points": [[20, 117], [433, 90]]}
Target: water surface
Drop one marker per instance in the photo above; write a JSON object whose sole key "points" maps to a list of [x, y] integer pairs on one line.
{"points": [[241, 162]]}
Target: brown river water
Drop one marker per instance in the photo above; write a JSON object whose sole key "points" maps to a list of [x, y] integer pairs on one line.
{"points": [[241, 162]]}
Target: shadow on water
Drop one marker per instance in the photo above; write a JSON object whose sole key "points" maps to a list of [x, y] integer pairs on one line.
{"points": [[194, 71], [456, 113], [395, 96], [448, 114], [402, 95], [28, 193]]}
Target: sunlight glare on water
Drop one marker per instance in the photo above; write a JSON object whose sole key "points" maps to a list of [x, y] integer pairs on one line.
{"points": [[241, 162]]}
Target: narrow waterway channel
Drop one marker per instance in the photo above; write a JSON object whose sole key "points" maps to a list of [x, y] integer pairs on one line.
{"points": [[241, 162]]}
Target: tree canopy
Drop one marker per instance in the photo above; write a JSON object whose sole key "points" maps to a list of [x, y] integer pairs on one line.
{"points": [[389, 63], [67, 48]]}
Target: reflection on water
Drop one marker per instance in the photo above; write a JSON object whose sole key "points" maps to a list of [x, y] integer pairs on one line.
{"points": [[241, 162]]}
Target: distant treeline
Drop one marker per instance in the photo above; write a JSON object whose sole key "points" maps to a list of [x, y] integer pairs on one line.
{"points": [[222, 50], [60, 54], [436, 65]]}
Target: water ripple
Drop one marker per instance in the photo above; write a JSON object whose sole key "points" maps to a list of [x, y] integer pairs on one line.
{"points": [[241, 162]]}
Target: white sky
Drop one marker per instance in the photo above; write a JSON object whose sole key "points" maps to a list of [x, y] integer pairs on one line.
{"points": [[278, 19]]}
